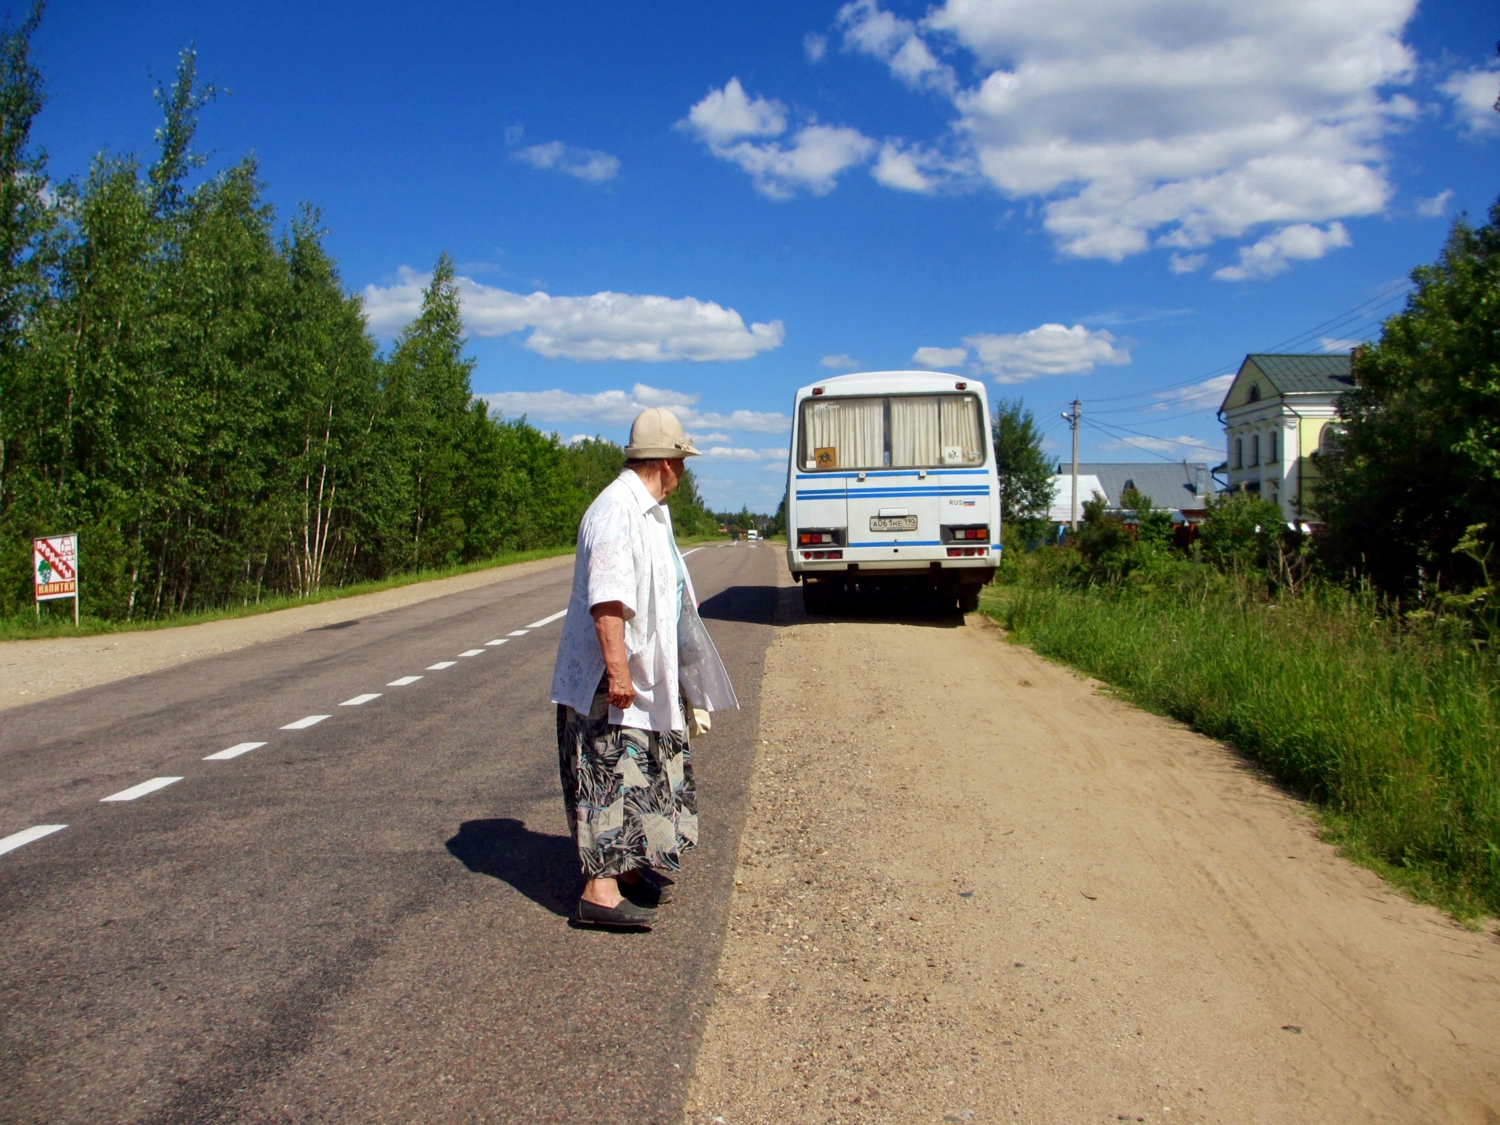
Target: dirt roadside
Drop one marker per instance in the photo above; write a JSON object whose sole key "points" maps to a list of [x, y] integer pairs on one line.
{"points": [[973, 888], [33, 670]]}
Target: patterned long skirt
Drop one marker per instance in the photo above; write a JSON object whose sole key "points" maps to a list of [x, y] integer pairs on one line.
{"points": [[628, 792]]}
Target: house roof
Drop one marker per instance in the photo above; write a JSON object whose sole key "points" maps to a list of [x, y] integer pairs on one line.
{"points": [[1267, 375], [1062, 494], [1169, 484], [1292, 374]]}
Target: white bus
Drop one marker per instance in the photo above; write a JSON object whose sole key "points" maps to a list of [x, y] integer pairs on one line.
{"points": [[892, 485]]}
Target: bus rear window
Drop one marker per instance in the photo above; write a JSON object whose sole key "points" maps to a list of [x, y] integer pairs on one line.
{"points": [[891, 432]]}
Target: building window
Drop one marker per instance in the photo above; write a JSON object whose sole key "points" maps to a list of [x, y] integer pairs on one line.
{"points": [[1254, 395], [1239, 453], [1255, 450], [1271, 448]]}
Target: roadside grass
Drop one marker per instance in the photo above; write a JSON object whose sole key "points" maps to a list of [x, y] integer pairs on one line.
{"points": [[57, 617], [1393, 732]]}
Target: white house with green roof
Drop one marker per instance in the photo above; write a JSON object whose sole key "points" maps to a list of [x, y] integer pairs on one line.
{"points": [[1276, 424]]}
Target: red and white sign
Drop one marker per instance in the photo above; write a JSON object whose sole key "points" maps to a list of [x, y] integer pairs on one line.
{"points": [[54, 567]]}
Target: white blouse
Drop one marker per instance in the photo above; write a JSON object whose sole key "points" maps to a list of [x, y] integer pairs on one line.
{"points": [[626, 553]]}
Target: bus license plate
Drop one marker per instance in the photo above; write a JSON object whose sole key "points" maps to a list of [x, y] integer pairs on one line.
{"points": [[893, 523]]}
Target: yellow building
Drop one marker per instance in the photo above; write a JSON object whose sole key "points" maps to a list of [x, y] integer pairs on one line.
{"points": [[1276, 424]]}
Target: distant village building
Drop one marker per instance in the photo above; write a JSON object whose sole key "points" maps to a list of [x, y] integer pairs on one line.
{"points": [[1276, 425], [1183, 488]]}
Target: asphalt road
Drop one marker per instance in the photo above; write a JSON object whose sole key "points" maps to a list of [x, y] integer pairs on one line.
{"points": [[363, 920]]}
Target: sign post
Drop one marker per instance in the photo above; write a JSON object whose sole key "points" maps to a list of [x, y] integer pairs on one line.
{"points": [[54, 570]]}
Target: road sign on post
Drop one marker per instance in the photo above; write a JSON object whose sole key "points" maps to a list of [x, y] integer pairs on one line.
{"points": [[54, 570]]}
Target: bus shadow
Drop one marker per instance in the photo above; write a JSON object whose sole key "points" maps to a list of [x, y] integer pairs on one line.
{"points": [[782, 606], [543, 868]]}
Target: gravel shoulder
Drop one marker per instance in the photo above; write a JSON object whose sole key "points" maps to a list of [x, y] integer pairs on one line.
{"points": [[972, 887], [35, 670]]}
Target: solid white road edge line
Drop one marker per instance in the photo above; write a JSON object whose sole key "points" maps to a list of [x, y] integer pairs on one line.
{"points": [[142, 789], [548, 620], [403, 681], [694, 551], [518, 632], [472, 652], [501, 641], [440, 665], [309, 721], [26, 835], [234, 751], [360, 700]]}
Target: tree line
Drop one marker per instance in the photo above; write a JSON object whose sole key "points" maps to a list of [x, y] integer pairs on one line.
{"points": [[188, 385]]}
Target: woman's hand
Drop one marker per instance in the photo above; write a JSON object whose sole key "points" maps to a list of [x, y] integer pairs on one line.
{"points": [[609, 623]]}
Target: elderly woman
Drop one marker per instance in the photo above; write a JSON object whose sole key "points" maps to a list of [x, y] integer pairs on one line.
{"points": [[622, 727]]}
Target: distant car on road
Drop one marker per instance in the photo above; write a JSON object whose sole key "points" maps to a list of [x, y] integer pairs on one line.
{"points": [[892, 486], [751, 535]]}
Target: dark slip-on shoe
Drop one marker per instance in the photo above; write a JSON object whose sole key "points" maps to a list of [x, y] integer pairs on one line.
{"points": [[626, 914], [646, 892]]}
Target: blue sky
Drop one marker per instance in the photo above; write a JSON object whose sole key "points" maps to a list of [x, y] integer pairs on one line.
{"points": [[708, 206]]}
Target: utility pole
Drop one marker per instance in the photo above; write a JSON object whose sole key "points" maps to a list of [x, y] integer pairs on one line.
{"points": [[1072, 417]]}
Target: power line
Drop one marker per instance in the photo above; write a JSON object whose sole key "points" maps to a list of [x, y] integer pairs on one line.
{"points": [[1390, 295]]}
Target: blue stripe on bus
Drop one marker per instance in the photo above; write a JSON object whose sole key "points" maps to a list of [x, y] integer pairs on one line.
{"points": [[886, 493], [895, 473]]}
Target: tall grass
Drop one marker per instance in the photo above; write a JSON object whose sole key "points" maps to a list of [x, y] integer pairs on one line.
{"points": [[1395, 730]]}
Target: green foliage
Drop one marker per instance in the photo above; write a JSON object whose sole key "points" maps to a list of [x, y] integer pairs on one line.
{"points": [[1025, 471], [1418, 460], [1241, 532], [1395, 728], [195, 393], [596, 462], [690, 519]]}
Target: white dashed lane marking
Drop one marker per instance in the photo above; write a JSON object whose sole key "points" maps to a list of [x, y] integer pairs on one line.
{"points": [[501, 641], [360, 700], [440, 665], [518, 632], [309, 721], [548, 620], [26, 835], [403, 681], [472, 652], [234, 751], [142, 789]]}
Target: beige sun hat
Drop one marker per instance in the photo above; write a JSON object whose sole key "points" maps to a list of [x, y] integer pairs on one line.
{"points": [[657, 433]]}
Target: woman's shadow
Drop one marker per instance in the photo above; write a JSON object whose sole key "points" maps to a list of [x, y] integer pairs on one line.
{"points": [[543, 868]]}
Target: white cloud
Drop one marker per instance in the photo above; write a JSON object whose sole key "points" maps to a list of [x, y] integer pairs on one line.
{"points": [[913, 168], [1474, 92], [895, 42], [1201, 395], [585, 163], [709, 438], [603, 326], [1437, 206], [1050, 349], [1184, 447], [739, 453], [1155, 122], [1336, 344], [619, 408], [1186, 263], [814, 46], [814, 159], [726, 115], [939, 357], [840, 362], [1270, 255]]}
